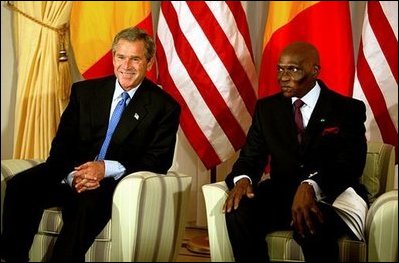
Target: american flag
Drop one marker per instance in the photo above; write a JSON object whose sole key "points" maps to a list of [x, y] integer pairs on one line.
{"points": [[205, 61], [376, 80]]}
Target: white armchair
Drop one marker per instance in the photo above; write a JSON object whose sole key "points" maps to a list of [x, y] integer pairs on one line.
{"points": [[381, 221], [147, 224]]}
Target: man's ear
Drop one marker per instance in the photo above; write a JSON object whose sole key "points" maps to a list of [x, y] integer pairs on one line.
{"points": [[150, 63], [316, 69]]}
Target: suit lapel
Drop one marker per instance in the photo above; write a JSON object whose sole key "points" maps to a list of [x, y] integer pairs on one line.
{"points": [[134, 113], [319, 116], [284, 112], [100, 105], [289, 115]]}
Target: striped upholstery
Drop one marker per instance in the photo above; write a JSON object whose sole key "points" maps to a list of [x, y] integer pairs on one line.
{"points": [[382, 228], [378, 175], [148, 218], [381, 221]]}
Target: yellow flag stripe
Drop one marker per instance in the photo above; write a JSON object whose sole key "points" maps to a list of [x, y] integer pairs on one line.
{"points": [[95, 23], [286, 11]]}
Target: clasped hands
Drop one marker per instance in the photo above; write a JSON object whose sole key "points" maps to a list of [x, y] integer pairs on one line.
{"points": [[306, 215], [88, 176]]}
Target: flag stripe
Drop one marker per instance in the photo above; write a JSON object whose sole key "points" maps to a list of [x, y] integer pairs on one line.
{"points": [[242, 25], [286, 10], [210, 72], [376, 101], [242, 59], [93, 26], [188, 122], [378, 64], [199, 75], [223, 49], [333, 41], [184, 85], [385, 35], [376, 76]]}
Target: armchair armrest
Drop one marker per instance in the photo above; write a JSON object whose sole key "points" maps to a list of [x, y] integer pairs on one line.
{"points": [[215, 195], [149, 216], [382, 228], [9, 168]]}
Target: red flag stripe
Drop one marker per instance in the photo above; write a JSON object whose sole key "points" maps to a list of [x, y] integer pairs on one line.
{"points": [[201, 112], [214, 80], [242, 24], [202, 82], [187, 121], [376, 101], [224, 49], [384, 34], [226, 72], [103, 66], [376, 77], [91, 40], [333, 41]]}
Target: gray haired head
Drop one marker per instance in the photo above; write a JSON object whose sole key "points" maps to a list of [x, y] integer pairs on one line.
{"points": [[133, 34]]}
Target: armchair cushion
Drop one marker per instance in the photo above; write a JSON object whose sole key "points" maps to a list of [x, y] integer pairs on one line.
{"points": [[147, 223], [381, 220]]}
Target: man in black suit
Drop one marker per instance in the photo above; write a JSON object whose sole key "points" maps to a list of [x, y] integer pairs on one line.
{"points": [[307, 164], [74, 176]]}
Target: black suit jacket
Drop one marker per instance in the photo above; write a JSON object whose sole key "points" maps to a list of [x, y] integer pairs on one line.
{"points": [[333, 147], [143, 140]]}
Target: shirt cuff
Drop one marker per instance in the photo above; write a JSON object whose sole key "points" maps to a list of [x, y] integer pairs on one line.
{"points": [[235, 179], [318, 192], [114, 169], [68, 180]]}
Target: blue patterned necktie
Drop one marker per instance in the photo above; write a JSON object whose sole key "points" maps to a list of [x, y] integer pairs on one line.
{"points": [[116, 115], [298, 118]]}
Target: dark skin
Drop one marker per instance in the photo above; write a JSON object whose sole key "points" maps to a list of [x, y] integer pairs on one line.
{"points": [[298, 69]]}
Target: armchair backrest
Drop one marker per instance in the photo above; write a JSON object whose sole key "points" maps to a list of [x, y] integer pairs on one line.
{"points": [[379, 171], [149, 216]]}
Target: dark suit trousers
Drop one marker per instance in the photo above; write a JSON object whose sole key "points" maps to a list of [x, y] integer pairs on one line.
{"points": [[269, 211], [32, 191]]}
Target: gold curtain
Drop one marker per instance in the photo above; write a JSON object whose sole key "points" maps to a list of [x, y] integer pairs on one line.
{"points": [[44, 78]]}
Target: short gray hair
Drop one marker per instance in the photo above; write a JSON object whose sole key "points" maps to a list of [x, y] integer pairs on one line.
{"points": [[132, 34]]}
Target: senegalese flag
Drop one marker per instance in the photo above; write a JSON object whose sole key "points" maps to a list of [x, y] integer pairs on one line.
{"points": [[93, 27], [325, 24]]}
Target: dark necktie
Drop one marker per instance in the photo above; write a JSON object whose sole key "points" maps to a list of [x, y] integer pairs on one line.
{"points": [[116, 115], [298, 118]]}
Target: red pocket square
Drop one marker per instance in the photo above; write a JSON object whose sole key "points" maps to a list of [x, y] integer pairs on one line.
{"points": [[330, 130]]}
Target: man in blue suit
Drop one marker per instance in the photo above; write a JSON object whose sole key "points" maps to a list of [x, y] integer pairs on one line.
{"points": [[74, 176], [315, 154]]}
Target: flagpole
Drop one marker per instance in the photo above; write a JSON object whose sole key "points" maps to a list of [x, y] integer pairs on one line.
{"points": [[213, 175]]}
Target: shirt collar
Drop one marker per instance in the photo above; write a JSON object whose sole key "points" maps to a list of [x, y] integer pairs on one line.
{"points": [[310, 99], [118, 91]]}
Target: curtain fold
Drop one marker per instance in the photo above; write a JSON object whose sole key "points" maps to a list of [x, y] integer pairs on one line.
{"points": [[43, 81]]}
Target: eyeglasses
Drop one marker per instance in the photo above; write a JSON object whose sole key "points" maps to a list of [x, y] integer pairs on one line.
{"points": [[291, 71]]}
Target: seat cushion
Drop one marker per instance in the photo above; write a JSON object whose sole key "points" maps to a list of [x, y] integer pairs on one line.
{"points": [[51, 224], [283, 247]]}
